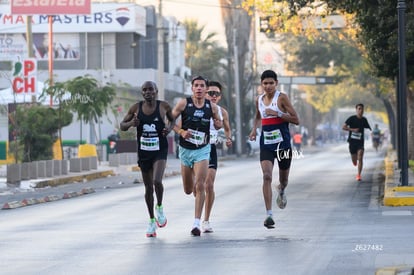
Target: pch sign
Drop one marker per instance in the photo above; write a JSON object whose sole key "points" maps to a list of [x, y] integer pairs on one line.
{"points": [[24, 76]]}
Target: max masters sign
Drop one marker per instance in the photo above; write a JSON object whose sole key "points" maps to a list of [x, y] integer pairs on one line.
{"points": [[50, 7]]}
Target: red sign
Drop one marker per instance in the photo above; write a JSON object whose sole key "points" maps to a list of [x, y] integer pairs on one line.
{"points": [[24, 73], [50, 7]]}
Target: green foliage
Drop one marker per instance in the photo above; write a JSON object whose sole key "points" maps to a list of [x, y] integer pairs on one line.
{"points": [[202, 53], [376, 22], [325, 51], [88, 99], [37, 130]]}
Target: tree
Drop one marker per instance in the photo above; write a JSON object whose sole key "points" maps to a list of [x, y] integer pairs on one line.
{"points": [[58, 91], [37, 130], [373, 23], [237, 23], [89, 100], [203, 54]]}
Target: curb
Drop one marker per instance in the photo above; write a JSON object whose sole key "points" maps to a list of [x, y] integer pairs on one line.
{"points": [[395, 270], [53, 182], [51, 198], [395, 195], [78, 178]]}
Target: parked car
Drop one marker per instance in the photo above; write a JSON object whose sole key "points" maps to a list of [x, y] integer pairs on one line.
{"points": [[253, 146]]}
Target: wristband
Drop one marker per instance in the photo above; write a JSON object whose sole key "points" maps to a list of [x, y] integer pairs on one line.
{"points": [[279, 113], [180, 131]]}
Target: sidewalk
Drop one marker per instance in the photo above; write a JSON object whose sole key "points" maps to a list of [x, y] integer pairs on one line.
{"points": [[394, 194], [36, 191]]}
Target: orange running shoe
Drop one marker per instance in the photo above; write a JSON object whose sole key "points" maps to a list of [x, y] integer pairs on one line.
{"points": [[358, 177]]}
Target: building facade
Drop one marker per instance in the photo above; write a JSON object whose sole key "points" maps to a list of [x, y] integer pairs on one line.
{"points": [[117, 43]]}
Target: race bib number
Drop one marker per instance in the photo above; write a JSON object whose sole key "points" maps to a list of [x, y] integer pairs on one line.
{"points": [[272, 137], [213, 137], [197, 137], [357, 136], [149, 143]]}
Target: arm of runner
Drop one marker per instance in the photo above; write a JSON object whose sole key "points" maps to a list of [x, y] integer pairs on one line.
{"points": [[170, 120], [130, 119], [218, 123], [176, 113], [289, 113], [256, 121], [226, 126]]}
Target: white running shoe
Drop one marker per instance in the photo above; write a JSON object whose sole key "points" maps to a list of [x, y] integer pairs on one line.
{"points": [[281, 199], [161, 219], [151, 231], [206, 227]]}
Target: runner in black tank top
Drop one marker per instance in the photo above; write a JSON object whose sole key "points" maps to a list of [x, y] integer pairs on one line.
{"points": [[148, 117], [194, 150], [152, 144]]}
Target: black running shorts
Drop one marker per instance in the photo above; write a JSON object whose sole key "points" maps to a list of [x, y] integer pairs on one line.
{"points": [[283, 157]]}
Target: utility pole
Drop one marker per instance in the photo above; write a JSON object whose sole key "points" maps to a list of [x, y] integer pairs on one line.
{"points": [[29, 36], [50, 55], [402, 95], [29, 43], [237, 98], [160, 28]]}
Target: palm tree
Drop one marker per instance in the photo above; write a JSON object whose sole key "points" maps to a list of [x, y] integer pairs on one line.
{"points": [[203, 54]]}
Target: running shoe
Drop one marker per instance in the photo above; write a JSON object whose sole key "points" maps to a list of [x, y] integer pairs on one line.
{"points": [[269, 222], [196, 232], [358, 177], [206, 227], [281, 198], [151, 229], [161, 219]]}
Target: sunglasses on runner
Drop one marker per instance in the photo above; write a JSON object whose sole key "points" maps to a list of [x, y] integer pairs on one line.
{"points": [[214, 93]]}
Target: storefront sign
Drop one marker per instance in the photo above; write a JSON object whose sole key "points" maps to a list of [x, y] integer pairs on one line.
{"points": [[123, 17], [50, 7], [24, 76]]}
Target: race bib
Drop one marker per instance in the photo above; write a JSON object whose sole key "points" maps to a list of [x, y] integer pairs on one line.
{"points": [[149, 143], [197, 137], [213, 137], [357, 136], [272, 137]]}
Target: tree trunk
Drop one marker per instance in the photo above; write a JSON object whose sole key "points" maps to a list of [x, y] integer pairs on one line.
{"points": [[392, 123], [410, 123], [237, 24]]}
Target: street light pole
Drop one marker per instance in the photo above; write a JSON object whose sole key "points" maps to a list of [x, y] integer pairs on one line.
{"points": [[402, 95], [237, 97], [160, 28]]}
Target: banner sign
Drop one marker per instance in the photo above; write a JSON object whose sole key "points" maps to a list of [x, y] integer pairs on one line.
{"points": [[24, 76], [66, 46], [112, 17], [50, 7]]}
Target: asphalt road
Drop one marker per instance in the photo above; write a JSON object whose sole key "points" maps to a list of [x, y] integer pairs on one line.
{"points": [[331, 225]]}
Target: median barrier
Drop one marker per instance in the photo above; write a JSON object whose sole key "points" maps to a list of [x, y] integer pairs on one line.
{"points": [[85, 164], [33, 170], [114, 160], [64, 166], [93, 163], [41, 168], [49, 168], [75, 165], [25, 172], [14, 173], [57, 167]]}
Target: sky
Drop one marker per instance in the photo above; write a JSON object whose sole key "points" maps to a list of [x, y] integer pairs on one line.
{"points": [[206, 12]]}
